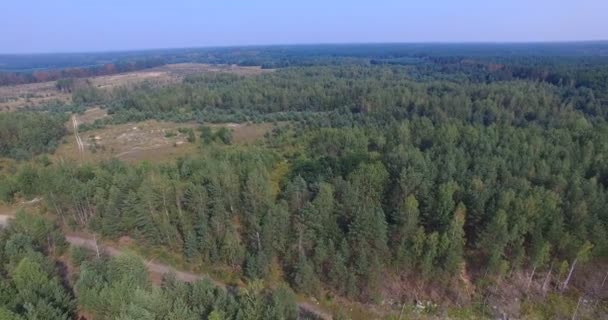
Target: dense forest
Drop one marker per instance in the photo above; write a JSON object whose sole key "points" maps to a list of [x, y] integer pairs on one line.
{"points": [[436, 173], [28, 68]]}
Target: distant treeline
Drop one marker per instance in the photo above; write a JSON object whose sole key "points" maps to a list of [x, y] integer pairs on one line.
{"points": [[16, 69], [12, 78]]}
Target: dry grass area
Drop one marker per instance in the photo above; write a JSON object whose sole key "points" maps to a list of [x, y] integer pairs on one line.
{"points": [[185, 69], [171, 73], [31, 94], [92, 114], [39, 94], [244, 133], [9, 210], [148, 140]]}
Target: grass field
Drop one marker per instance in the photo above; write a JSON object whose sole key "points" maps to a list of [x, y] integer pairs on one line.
{"points": [[150, 140], [92, 114], [32, 94], [40, 94]]}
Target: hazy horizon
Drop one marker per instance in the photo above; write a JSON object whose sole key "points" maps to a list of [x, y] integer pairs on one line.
{"points": [[73, 26], [313, 44]]}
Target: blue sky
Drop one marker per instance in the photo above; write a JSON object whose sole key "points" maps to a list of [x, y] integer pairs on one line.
{"points": [[93, 25]]}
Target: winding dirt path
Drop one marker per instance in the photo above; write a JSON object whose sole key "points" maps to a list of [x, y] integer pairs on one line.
{"points": [[152, 266], [158, 268], [306, 308]]}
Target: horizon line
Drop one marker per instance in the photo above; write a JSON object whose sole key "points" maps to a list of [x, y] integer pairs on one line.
{"points": [[490, 42]]}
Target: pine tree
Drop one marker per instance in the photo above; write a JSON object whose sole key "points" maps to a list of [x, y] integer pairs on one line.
{"points": [[429, 256], [304, 279], [493, 242], [404, 232], [111, 215], [444, 206], [455, 238]]}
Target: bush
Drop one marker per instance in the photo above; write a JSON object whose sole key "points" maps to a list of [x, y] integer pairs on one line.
{"points": [[78, 255], [224, 135]]}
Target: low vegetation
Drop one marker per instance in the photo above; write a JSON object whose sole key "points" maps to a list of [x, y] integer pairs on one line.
{"points": [[25, 134]]}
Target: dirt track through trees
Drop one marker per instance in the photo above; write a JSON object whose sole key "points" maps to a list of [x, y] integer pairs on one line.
{"points": [[79, 142], [157, 268], [306, 308]]}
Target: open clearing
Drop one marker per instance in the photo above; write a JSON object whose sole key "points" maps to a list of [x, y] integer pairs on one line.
{"points": [[244, 133], [92, 114], [170, 73], [31, 94], [148, 140], [40, 94]]}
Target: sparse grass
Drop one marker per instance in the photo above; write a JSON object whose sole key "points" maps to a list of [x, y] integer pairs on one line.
{"points": [[131, 142], [32, 94], [556, 306], [44, 93], [92, 114], [245, 133], [150, 140]]}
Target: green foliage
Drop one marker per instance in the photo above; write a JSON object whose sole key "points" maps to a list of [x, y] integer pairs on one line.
{"points": [[206, 135], [554, 307], [65, 85], [78, 255], [417, 170], [223, 135], [29, 286], [119, 289], [25, 134]]}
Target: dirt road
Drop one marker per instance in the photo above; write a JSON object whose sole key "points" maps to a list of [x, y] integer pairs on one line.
{"points": [[79, 142], [306, 308], [152, 266]]}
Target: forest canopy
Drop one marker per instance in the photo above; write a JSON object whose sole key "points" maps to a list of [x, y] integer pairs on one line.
{"points": [[449, 172]]}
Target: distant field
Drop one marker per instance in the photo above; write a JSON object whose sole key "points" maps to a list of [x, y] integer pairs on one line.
{"points": [[31, 94], [148, 140], [170, 74], [40, 94]]}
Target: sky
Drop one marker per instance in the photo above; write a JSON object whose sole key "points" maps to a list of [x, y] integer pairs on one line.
{"points": [[36, 26]]}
